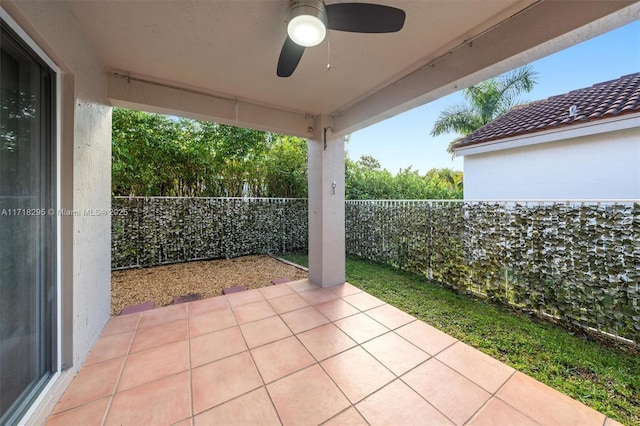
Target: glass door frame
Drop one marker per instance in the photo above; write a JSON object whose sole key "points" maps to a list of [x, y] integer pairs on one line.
{"points": [[55, 153]]}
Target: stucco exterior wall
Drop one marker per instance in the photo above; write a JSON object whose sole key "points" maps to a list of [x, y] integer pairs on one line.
{"points": [[85, 163], [603, 166]]}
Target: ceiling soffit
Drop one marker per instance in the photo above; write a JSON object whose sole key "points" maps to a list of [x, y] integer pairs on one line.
{"points": [[223, 53]]}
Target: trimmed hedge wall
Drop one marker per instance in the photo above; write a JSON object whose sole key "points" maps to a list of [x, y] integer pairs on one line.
{"points": [[578, 263], [158, 230]]}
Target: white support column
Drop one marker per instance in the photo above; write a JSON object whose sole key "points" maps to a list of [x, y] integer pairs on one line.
{"points": [[326, 206]]}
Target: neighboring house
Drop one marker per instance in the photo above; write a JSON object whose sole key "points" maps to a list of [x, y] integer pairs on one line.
{"points": [[584, 144]]}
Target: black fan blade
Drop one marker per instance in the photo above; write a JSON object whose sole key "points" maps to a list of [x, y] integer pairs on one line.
{"points": [[364, 18], [290, 56]]}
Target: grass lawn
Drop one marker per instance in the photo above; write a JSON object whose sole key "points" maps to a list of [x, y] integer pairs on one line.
{"points": [[599, 376]]}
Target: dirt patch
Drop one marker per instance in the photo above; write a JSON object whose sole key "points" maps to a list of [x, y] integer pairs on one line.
{"points": [[584, 373], [162, 283]]}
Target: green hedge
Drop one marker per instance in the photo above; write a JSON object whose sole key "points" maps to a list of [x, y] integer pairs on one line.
{"points": [[575, 263], [578, 263], [159, 230]]}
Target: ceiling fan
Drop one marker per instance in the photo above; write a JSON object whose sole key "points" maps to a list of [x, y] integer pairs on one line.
{"points": [[309, 21]]}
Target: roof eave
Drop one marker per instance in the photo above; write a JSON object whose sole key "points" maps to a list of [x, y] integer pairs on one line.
{"points": [[591, 127]]}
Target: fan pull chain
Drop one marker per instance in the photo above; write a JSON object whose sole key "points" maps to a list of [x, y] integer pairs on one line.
{"points": [[328, 53]]}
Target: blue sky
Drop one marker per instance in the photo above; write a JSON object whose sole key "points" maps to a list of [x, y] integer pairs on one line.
{"points": [[404, 140]]}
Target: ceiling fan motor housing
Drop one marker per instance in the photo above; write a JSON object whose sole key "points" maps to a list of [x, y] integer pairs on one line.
{"points": [[309, 21]]}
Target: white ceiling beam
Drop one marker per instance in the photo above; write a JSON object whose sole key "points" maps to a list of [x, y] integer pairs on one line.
{"points": [[538, 31], [140, 94]]}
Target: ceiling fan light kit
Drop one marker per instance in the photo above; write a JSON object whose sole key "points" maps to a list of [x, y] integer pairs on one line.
{"points": [[307, 22]]}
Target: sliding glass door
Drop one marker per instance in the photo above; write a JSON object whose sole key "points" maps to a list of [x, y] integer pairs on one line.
{"points": [[27, 226]]}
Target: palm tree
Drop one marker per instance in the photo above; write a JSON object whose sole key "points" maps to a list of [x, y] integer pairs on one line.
{"points": [[451, 179], [485, 102]]}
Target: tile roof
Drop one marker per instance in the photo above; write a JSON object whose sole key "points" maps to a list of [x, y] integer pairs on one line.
{"points": [[602, 100]]}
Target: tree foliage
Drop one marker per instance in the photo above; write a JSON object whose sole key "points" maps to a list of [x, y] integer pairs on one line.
{"points": [[366, 180], [484, 103], [156, 155]]}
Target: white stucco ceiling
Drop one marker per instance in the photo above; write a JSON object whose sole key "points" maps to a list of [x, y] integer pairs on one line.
{"points": [[230, 48]]}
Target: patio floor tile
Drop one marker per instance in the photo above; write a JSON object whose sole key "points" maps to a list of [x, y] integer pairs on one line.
{"points": [[276, 291], [110, 347], [357, 373], [325, 341], [92, 382], [208, 322], [427, 338], [254, 408], [398, 404], [281, 358], [395, 353], [301, 285], [363, 301], [390, 316], [208, 348], [253, 311], [455, 396], [350, 417], [163, 316], [345, 289], [361, 328], [121, 324], [154, 364], [304, 319], [498, 412], [165, 401], [208, 305], [336, 309], [90, 414], [151, 337], [244, 297], [481, 369], [307, 397], [318, 360], [264, 331], [318, 295], [288, 303], [546, 405], [223, 380]]}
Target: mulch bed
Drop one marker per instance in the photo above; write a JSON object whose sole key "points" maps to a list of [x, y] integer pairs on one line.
{"points": [[161, 284]]}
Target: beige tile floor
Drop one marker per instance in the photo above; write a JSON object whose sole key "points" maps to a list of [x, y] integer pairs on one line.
{"points": [[295, 354]]}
